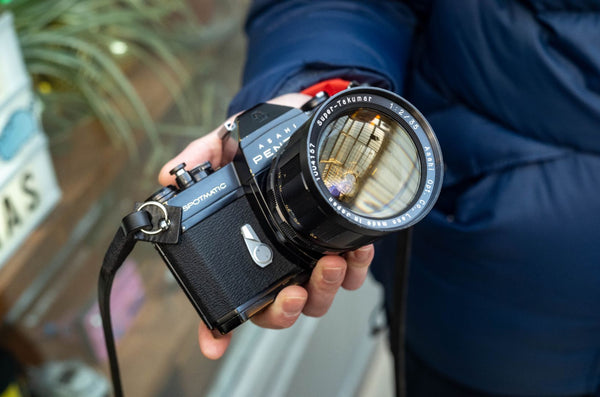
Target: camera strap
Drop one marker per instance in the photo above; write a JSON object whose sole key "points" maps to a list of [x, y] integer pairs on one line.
{"points": [[398, 318], [152, 221]]}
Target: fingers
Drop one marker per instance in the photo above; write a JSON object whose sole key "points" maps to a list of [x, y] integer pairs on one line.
{"points": [[285, 310], [325, 280], [333, 271], [212, 148], [282, 313], [358, 266], [212, 344], [207, 148], [330, 273]]}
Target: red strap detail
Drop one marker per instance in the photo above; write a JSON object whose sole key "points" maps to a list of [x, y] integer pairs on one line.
{"points": [[331, 87]]}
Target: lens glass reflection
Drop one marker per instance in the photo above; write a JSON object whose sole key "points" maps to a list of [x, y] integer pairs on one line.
{"points": [[369, 163]]}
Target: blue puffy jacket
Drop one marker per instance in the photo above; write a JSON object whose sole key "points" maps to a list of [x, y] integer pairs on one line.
{"points": [[504, 291]]}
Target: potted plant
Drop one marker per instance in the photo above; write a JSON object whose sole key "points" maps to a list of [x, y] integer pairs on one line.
{"points": [[74, 59]]}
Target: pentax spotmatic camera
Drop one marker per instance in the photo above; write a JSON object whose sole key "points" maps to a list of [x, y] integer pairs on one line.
{"points": [[327, 178]]}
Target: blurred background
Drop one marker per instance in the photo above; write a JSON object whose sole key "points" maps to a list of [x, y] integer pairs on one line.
{"points": [[95, 95]]}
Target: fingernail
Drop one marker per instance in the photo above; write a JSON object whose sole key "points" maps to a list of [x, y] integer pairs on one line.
{"points": [[292, 307], [333, 274], [362, 253]]}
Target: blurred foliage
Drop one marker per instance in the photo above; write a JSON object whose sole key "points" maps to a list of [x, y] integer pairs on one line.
{"points": [[80, 53]]}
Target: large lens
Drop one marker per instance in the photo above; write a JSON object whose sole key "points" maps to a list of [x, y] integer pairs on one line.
{"points": [[369, 163], [366, 164]]}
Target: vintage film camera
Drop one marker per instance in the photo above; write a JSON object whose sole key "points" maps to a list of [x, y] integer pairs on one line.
{"points": [[327, 178]]}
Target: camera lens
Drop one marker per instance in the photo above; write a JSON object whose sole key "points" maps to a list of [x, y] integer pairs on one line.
{"points": [[369, 163], [366, 163]]}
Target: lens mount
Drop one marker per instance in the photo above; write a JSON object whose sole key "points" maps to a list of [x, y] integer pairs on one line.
{"points": [[365, 164]]}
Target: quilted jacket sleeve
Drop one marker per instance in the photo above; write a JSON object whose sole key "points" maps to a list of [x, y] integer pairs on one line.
{"points": [[294, 44]]}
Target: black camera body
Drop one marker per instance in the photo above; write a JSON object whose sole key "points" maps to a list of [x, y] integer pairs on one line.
{"points": [[229, 276], [304, 182]]}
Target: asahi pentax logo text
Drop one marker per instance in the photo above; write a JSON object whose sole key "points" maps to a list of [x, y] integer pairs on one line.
{"points": [[205, 196], [270, 146]]}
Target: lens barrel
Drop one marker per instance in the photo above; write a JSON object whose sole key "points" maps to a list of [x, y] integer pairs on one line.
{"points": [[365, 164]]}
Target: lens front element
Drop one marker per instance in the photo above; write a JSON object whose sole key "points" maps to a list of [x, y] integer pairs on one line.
{"points": [[366, 163], [369, 163]]}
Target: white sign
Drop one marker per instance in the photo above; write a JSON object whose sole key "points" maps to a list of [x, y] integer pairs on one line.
{"points": [[28, 188], [27, 197], [13, 75]]}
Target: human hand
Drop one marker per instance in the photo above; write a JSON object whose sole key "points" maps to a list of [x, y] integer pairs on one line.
{"points": [[330, 273]]}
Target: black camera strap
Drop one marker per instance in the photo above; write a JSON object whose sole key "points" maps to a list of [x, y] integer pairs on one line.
{"points": [[152, 221], [398, 318]]}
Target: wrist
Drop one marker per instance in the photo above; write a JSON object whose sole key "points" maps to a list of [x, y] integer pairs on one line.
{"points": [[330, 86]]}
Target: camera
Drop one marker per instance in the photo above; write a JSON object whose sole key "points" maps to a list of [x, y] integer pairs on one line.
{"points": [[329, 177]]}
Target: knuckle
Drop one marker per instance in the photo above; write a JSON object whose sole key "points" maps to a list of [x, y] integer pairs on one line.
{"points": [[316, 311]]}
